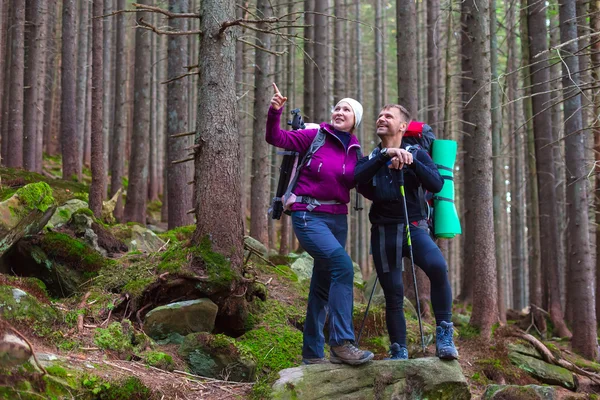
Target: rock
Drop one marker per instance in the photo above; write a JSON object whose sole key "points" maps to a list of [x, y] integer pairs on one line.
{"points": [[184, 317], [258, 247], [542, 371], [63, 214], [13, 350], [303, 267], [15, 304], [218, 356], [529, 392], [81, 223], [358, 277], [524, 349], [25, 213], [423, 378], [109, 206], [144, 240]]}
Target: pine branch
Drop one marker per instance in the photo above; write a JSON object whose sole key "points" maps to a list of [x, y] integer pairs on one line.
{"points": [[145, 25], [277, 53], [144, 7], [178, 135], [180, 77]]}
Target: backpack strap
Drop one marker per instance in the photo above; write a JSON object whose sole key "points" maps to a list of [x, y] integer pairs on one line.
{"points": [[358, 206], [316, 144]]}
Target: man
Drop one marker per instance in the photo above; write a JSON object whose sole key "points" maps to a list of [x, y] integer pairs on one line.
{"points": [[379, 177]]}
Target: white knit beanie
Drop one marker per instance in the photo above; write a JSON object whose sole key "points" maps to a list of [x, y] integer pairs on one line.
{"points": [[356, 107]]}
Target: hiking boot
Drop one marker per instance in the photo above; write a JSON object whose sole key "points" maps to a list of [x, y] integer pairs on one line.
{"points": [[444, 343], [348, 353], [398, 352], [310, 361]]}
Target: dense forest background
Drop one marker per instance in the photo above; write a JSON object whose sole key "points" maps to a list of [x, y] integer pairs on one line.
{"points": [[164, 105]]}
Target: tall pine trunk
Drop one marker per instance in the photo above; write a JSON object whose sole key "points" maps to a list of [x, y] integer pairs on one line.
{"points": [[433, 61], [485, 311], [82, 78], [137, 191], [309, 32], [68, 110], [320, 75], [581, 274], [109, 85], [595, 25], [14, 154], [97, 140], [546, 173]]}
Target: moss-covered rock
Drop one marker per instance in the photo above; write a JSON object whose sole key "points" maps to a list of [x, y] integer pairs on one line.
{"points": [[423, 378], [118, 337], [544, 372], [158, 359], [64, 212], [529, 392], [17, 305], [183, 317], [218, 356]]}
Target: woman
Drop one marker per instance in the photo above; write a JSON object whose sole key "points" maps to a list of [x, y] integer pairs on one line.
{"points": [[320, 224]]}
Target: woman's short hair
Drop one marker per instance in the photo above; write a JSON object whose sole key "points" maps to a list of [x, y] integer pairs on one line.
{"points": [[403, 111]]}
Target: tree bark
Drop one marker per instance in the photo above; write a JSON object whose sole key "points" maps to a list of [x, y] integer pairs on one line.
{"points": [[320, 71], [97, 158], [581, 274], [485, 311], [3, 56], [82, 78], [339, 68], [379, 77], [217, 173], [109, 85], [546, 173], [35, 62], [121, 107], [137, 191], [260, 182], [595, 25], [406, 26], [68, 110], [498, 168], [178, 191], [14, 155], [309, 35], [433, 61], [51, 81]]}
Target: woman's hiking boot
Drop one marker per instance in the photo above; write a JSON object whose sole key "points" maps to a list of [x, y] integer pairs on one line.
{"points": [[444, 343], [348, 353], [398, 352]]}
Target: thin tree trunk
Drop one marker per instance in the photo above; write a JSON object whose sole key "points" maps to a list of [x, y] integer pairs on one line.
{"points": [[339, 68], [433, 61], [217, 174], [545, 162], [35, 63], [153, 148], [595, 25], [51, 81], [379, 78], [118, 143], [97, 146], [260, 182], [498, 167], [407, 55], [17, 70], [68, 110], [178, 191], [309, 35], [533, 220], [40, 87], [137, 191], [320, 75], [82, 78], [108, 106], [581, 274], [3, 53], [485, 311]]}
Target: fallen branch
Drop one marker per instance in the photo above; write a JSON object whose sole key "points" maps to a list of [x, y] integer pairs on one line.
{"points": [[80, 314], [138, 315]]}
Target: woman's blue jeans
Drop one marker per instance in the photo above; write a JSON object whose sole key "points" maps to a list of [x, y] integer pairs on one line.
{"points": [[323, 236]]}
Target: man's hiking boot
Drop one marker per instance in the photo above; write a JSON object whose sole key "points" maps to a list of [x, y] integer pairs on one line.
{"points": [[398, 352], [310, 361], [348, 353], [444, 343]]}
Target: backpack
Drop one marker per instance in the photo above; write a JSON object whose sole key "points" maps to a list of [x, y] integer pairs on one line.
{"points": [[420, 136]]}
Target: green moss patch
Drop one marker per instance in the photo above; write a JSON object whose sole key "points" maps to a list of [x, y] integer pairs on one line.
{"points": [[119, 337], [71, 252], [159, 360], [179, 234]]}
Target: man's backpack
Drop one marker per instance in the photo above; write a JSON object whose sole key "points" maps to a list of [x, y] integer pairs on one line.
{"points": [[420, 136]]}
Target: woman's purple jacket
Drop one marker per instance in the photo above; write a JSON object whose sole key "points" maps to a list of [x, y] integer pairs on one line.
{"points": [[330, 175]]}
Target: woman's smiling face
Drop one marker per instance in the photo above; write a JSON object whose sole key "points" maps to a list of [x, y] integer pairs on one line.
{"points": [[342, 117]]}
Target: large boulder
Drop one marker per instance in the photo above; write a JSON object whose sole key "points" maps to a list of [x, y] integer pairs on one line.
{"points": [[183, 318], [25, 213], [144, 240], [13, 350], [303, 267], [218, 356], [529, 392], [542, 371], [18, 305], [423, 378], [64, 212]]}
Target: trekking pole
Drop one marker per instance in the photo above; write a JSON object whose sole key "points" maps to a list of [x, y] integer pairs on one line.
{"points": [[366, 311], [412, 260]]}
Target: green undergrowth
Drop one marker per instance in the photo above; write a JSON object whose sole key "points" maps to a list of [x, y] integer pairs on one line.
{"points": [[72, 252], [131, 274], [121, 338], [158, 359], [179, 234]]}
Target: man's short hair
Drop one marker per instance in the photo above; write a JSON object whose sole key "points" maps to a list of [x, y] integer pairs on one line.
{"points": [[403, 111]]}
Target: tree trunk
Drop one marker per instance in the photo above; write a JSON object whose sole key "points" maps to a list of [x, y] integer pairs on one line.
{"points": [[82, 77], [137, 191], [406, 26], [51, 81], [109, 86], [433, 61], [68, 109], [498, 167], [339, 68], [217, 160], [517, 179], [97, 160], [466, 290], [3, 58], [260, 183], [320, 75], [379, 77], [14, 154], [309, 35], [154, 112], [35, 63], [485, 311], [595, 25], [178, 191], [121, 107], [581, 274], [545, 161]]}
